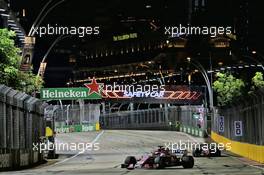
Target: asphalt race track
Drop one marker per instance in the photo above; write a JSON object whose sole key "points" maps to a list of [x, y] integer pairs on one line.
{"points": [[115, 145]]}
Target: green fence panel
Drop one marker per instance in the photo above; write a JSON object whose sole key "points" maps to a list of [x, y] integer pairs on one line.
{"points": [[78, 128], [192, 131], [75, 128]]}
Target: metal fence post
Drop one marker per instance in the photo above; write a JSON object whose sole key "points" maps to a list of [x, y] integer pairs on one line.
{"points": [[3, 117], [11, 115]]}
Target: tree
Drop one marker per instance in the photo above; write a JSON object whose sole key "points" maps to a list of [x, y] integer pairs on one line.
{"points": [[257, 81], [9, 66], [227, 88]]}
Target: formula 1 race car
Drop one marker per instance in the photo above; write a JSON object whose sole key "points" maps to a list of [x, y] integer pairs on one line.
{"points": [[206, 150], [160, 159]]}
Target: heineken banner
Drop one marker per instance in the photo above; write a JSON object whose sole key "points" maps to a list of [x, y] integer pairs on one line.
{"points": [[91, 91], [67, 94]]}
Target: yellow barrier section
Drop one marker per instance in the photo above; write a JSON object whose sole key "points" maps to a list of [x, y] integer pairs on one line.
{"points": [[251, 151], [97, 126], [49, 132]]}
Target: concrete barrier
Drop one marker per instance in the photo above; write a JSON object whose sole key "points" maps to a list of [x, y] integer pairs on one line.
{"points": [[251, 151]]}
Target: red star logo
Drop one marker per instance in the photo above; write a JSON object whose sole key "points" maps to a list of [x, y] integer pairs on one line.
{"points": [[93, 87]]}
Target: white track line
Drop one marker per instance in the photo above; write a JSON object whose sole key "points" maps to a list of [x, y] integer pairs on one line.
{"points": [[95, 139]]}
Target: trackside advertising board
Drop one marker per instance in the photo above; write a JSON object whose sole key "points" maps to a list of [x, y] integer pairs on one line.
{"points": [[92, 91], [67, 94]]}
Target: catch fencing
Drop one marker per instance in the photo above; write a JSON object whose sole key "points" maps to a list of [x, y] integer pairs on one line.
{"points": [[242, 124], [182, 118], [75, 118], [21, 125]]}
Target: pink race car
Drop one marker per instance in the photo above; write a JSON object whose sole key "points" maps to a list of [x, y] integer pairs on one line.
{"points": [[160, 159]]}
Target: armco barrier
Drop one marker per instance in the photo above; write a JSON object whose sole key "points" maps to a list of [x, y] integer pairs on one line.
{"points": [[167, 118], [21, 125], [140, 119]]}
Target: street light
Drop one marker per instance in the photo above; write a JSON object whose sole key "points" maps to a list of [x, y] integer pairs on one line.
{"points": [[206, 78], [37, 22], [208, 84], [48, 51]]}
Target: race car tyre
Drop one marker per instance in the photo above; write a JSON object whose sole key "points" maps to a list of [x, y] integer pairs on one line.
{"points": [[187, 161], [52, 154], [130, 160], [159, 162], [196, 153], [218, 153], [124, 165]]}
